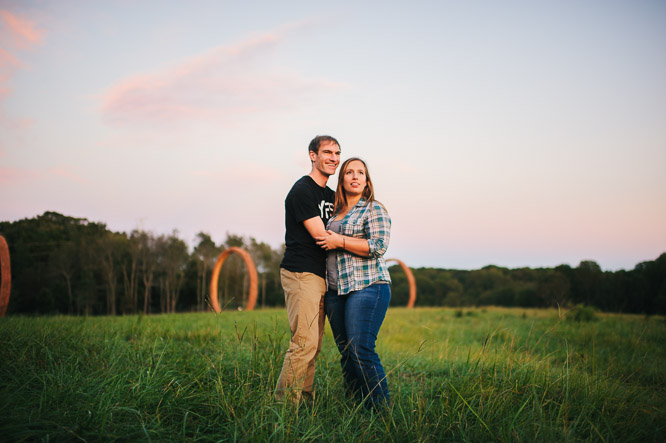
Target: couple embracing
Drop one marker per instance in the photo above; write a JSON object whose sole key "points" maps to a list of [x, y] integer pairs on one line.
{"points": [[334, 267]]}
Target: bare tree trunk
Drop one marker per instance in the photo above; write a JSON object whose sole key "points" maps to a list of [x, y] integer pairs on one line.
{"points": [[204, 287], [176, 292], [162, 297], [244, 294], [263, 290], [110, 290], [135, 289], [107, 262], [147, 284], [168, 296], [130, 286], [225, 295], [111, 297], [70, 297], [199, 288]]}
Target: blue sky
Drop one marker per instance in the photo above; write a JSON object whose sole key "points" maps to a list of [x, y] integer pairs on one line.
{"points": [[511, 133]]}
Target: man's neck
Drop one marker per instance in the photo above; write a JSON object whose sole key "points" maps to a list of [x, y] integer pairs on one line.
{"points": [[318, 177]]}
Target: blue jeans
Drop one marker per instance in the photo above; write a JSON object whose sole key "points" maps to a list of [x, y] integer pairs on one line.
{"points": [[355, 320]]}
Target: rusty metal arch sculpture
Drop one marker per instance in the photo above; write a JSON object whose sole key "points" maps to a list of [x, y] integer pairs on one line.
{"points": [[410, 279], [252, 273], [5, 276]]}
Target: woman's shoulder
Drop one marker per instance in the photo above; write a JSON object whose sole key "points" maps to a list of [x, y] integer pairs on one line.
{"points": [[374, 204], [378, 206], [365, 209], [375, 210]]}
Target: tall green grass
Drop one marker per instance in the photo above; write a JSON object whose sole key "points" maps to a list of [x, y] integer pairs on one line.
{"points": [[495, 374]]}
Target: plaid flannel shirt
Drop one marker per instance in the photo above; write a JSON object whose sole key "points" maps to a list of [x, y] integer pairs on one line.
{"points": [[371, 222]]}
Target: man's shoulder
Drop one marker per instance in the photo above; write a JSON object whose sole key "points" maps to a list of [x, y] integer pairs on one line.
{"points": [[307, 184], [302, 184]]}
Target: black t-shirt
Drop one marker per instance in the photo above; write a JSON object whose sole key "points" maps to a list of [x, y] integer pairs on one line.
{"points": [[305, 200]]}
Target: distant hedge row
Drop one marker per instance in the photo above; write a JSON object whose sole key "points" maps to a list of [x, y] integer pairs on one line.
{"points": [[641, 290], [69, 265]]}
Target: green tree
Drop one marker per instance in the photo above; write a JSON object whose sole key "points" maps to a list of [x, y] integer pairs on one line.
{"points": [[172, 259], [147, 264], [233, 275], [110, 246], [64, 263], [554, 288], [587, 279], [205, 253], [267, 262], [454, 292]]}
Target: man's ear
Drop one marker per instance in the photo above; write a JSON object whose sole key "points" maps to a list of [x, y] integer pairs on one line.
{"points": [[312, 156]]}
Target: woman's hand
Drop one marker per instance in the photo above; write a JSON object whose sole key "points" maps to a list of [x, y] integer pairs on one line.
{"points": [[330, 241]]}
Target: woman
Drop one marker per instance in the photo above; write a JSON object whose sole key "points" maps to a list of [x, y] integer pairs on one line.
{"points": [[359, 289]]}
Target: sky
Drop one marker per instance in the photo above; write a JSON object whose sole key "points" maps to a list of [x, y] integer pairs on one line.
{"points": [[513, 133]]}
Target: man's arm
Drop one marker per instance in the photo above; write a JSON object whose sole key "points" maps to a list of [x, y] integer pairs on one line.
{"points": [[315, 227]]}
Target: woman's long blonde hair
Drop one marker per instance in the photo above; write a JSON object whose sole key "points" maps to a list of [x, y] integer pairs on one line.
{"points": [[341, 197]]}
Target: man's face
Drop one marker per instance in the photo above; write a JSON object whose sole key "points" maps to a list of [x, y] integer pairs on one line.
{"points": [[327, 159]]}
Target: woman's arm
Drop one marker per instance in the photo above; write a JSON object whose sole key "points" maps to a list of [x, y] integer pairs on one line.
{"points": [[357, 246], [378, 230]]}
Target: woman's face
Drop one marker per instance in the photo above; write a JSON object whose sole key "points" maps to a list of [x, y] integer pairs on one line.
{"points": [[353, 181]]}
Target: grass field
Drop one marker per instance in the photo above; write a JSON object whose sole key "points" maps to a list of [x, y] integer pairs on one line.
{"points": [[477, 375]]}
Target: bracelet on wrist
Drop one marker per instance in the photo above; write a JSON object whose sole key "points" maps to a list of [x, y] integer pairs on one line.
{"points": [[343, 243]]}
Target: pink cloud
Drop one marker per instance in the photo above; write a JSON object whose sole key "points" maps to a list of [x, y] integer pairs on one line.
{"points": [[22, 32], [215, 86], [12, 176], [8, 65], [16, 34], [7, 60], [68, 175]]}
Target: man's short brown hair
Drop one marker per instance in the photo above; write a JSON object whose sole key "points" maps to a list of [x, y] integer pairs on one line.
{"points": [[318, 140]]}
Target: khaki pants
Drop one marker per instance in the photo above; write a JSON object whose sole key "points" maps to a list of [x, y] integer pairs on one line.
{"points": [[304, 297]]}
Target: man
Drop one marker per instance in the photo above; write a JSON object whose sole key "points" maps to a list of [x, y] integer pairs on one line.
{"points": [[308, 207]]}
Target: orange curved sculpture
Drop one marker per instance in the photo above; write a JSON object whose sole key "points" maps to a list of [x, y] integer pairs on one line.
{"points": [[410, 279], [5, 276], [251, 270]]}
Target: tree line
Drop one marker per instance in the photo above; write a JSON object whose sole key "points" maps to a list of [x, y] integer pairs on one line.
{"points": [[67, 265], [70, 265], [641, 290]]}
